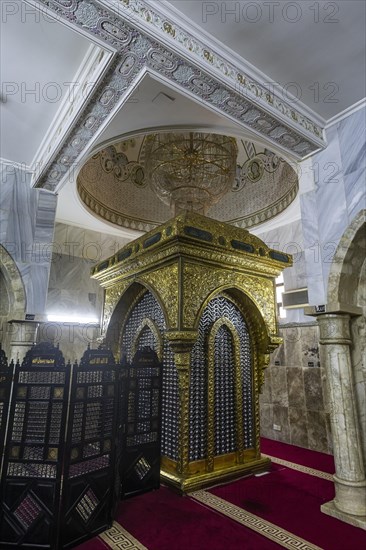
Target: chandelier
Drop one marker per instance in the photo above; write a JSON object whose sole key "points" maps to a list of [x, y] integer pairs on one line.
{"points": [[192, 170]]}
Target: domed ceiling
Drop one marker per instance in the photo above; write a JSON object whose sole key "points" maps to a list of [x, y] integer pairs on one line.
{"points": [[114, 185]]}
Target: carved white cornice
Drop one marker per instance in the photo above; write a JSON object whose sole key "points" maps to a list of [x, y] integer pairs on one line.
{"points": [[229, 56], [346, 113], [90, 72], [145, 41], [175, 29], [16, 165]]}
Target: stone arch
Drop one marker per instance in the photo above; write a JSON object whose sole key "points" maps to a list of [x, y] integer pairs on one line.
{"points": [[342, 335], [12, 295], [343, 283], [347, 287], [14, 284], [358, 355]]}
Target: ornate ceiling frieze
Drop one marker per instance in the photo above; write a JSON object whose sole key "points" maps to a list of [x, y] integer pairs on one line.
{"points": [[90, 72], [114, 184], [137, 53], [174, 32]]}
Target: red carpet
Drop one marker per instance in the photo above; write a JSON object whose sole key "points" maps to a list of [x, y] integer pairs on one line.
{"points": [[292, 500], [288, 498], [93, 544], [311, 459], [163, 520]]}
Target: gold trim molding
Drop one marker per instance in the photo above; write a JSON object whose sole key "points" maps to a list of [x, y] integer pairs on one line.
{"points": [[185, 263]]}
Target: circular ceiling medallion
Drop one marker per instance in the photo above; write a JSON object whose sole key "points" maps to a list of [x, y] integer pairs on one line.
{"points": [[229, 179]]}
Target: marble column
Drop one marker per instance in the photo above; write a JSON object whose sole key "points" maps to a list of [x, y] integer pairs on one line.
{"points": [[350, 484], [23, 334]]}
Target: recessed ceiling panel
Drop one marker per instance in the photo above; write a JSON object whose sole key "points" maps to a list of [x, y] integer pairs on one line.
{"points": [[39, 60], [154, 105], [114, 185]]}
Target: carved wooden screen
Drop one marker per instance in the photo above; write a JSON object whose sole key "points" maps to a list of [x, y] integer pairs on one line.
{"points": [[140, 463], [6, 374], [31, 482], [90, 468]]}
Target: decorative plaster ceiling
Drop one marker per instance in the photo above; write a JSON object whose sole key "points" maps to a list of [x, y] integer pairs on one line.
{"points": [[39, 61], [145, 41], [116, 51], [113, 184], [316, 50], [155, 105]]}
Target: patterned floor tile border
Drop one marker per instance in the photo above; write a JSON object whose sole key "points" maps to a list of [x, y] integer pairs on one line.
{"points": [[300, 468], [118, 538], [269, 530]]}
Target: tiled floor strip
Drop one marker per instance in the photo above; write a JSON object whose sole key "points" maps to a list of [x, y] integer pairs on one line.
{"points": [[118, 538], [261, 526], [300, 468]]}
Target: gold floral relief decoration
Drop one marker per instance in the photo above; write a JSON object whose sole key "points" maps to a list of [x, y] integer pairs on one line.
{"points": [[183, 385], [199, 283], [164, 282], [263, 361], [112, 297], [257, 381]]}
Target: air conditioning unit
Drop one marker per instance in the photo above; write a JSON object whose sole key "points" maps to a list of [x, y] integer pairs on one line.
{"points": [[294, 299]]}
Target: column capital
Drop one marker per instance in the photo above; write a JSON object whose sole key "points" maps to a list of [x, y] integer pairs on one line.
{"points": [[181, 341], [333, 307], [334, 328]]}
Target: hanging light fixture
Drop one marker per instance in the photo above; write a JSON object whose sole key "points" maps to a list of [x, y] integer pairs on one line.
{"points": [[192, 170]]}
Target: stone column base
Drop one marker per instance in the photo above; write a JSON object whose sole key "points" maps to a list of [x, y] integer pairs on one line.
{"points": [[330, 509], [350, 496]]}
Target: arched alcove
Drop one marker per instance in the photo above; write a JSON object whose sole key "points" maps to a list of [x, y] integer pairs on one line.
{"points": [[347, 286], [13, 283], [12, 296], [256, 323], [138, 321], [128, 299], [244, 362], [342, 331], [347, 264]]}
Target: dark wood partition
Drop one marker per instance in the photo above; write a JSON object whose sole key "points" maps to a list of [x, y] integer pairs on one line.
{"points": [[141, 414], [6, 375], [34, 452], [90, 468]]}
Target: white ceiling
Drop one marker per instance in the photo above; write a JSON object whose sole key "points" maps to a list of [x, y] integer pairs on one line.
{"points": [[141, 112], [37, 55], [36, 52], [303, 52]]}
